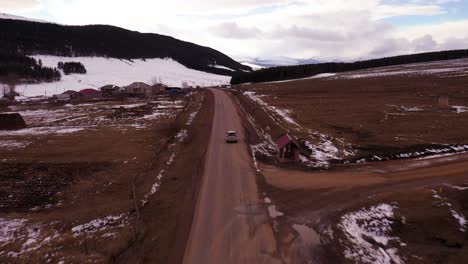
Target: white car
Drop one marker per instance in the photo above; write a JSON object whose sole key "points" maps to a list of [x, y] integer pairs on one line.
{"points": [[231, 137]]}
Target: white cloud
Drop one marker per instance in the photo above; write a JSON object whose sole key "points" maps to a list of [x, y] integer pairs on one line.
{"points": [[232, 30], [17, 5], [325, 29]]}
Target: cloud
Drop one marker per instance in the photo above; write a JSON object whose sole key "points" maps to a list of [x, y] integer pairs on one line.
{"points": [[232, 30], [387, 11], [324, 29], [425, 43], [17, 5], [455, 43]]}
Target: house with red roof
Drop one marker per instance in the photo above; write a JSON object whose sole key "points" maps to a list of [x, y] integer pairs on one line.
{"points": [[289, 149]]}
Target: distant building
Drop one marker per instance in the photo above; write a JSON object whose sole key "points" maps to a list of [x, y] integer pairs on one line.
{"points": [[73, 94], [61, 98], [174, 90], [89, 94], [140, 89], [111, 90], [159, 88]]}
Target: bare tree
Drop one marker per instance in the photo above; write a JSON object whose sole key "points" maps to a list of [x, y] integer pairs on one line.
{"points": [[137, 208], [10, 90]]}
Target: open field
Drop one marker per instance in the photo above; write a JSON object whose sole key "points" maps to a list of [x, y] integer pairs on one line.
{"points": [[369, 118], [76, 183], [385, 176]]}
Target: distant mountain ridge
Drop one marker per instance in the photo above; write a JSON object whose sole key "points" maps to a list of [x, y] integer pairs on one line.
{"points": [[276, 62], [303, 71], [27, 37]]}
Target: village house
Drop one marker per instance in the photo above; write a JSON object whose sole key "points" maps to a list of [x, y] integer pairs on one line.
{"points": [[89, 94], [174, 90], [159, 89], [57, 98], [72, 94], [111, 90], [140, 89]]}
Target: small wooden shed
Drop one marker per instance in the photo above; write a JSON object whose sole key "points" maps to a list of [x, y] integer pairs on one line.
{"points": [[289, 149]]}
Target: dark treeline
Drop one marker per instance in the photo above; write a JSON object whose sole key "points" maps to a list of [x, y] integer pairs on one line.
{"points": [[108, 41], [19, 69], [73, 67], [303, 71]]}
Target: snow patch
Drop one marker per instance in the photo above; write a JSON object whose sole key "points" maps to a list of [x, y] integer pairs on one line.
{"points": [[325, 150], [182, 135], [368, 235], [29, 236], [460, 109], [37, 131], [283, 113], [323, 75], [388, 73], [273, 212], [458, 216], [13, 144], [221, 67], [460, 188], [100, 224], [157, 184]]}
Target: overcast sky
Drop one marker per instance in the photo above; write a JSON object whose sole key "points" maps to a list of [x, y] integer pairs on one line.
{"points": [[321, 29]]}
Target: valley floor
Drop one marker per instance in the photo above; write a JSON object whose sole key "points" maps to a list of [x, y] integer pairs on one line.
{"points": [[82, 184], [382, 177]]}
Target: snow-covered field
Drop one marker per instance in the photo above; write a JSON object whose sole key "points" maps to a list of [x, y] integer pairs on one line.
{"points": [[103, 71], [445, 69], [449, 68]]}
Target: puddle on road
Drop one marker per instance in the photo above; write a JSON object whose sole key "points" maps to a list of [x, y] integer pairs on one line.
{"points": [[273, 212], [249, 209], [307, 235]]}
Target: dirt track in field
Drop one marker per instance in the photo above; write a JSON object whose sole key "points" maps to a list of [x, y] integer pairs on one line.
{"points": [[230, 225]]}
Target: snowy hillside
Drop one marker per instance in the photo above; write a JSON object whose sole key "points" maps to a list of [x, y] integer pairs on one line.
{"points": [[13, 17], [255, 67], [103, 71]]}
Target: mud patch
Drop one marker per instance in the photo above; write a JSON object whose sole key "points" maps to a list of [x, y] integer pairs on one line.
{"points": [[29, 185]]}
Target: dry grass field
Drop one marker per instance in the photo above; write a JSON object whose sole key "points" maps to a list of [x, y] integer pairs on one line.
{"points": [[75, 183], [374, 114], [385, 176]]}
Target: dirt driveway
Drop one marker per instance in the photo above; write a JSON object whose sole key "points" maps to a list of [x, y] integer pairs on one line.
{"points": [[230, 224]]}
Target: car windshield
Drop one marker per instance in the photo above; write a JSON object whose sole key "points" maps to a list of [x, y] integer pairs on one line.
{"points": [[231, 133]]}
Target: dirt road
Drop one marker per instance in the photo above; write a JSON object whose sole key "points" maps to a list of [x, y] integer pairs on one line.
{"points": [[230, 224]]}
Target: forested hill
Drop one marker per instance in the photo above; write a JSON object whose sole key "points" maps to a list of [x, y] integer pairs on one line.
{"points": [[27, 38], [303, 71]]}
